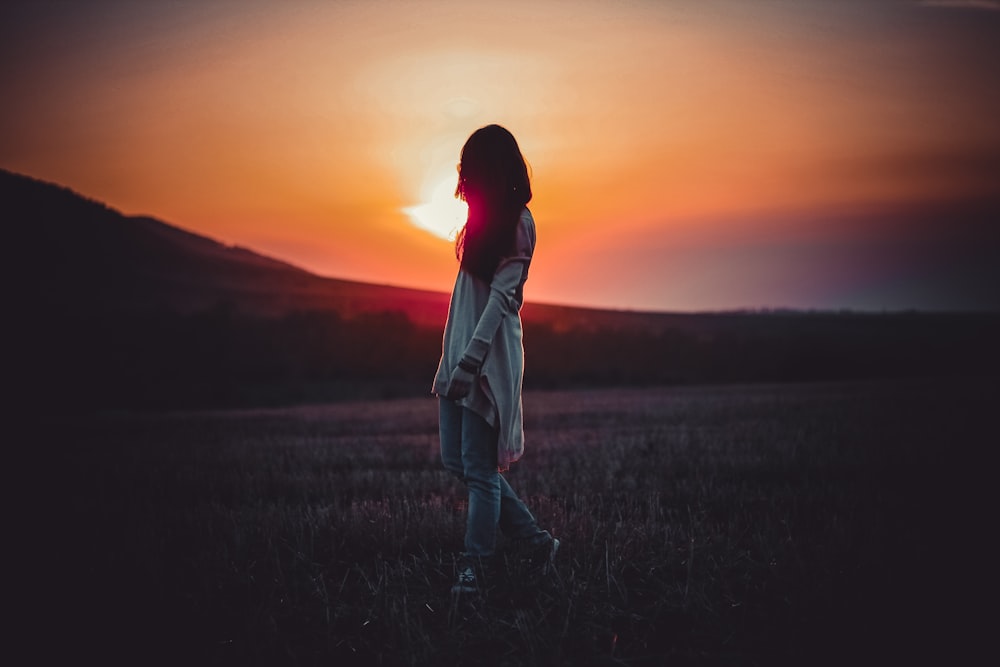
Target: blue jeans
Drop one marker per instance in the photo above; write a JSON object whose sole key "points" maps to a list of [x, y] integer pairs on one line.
{"points": [[469, 451]]}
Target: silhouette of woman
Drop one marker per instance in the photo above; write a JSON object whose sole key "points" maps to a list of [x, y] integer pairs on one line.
{"points": [[478, 380]]}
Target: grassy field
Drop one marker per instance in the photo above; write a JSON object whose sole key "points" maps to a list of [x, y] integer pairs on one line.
{"points": [[798, 524]]}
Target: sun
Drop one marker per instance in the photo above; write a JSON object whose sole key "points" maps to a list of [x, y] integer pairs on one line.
{"points": [[443, 215]]}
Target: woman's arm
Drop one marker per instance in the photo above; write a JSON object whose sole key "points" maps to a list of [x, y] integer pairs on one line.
{"points": [[507, 280], [505, 297]]}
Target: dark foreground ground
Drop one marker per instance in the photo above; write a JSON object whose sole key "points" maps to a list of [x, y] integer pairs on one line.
{"points": [[801, 524]]}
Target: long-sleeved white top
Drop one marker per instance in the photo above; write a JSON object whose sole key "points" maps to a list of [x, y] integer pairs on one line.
{"points": [[484, 328]]}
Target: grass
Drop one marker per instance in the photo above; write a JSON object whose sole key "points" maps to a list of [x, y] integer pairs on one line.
{"points": [[801, 524]]}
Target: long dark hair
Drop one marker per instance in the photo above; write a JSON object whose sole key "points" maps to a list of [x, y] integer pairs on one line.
{"points": [[493, 181]]}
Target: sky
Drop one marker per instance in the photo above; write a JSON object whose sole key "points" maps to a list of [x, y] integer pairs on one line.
{"points": [[685, 156]]}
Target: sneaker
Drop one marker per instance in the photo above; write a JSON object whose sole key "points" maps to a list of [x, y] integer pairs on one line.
{"points": [[466, 582], [555, 549], [541, 557], [548, 560]]}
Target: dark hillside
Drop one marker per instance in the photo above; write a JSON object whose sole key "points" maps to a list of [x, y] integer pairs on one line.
{"points": [[76, 252]]}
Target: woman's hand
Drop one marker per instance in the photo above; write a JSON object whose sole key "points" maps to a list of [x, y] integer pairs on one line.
{"points": [[460, 383]]}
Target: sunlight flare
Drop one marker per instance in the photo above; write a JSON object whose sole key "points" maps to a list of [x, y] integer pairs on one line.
{"points": [[443, 215]]}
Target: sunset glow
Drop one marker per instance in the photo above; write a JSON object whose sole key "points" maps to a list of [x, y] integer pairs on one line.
{"points": [[442, 214], [685, 156]]}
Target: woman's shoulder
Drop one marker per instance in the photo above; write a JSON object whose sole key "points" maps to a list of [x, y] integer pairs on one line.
{"points": [[527, 218], [526, 233]]}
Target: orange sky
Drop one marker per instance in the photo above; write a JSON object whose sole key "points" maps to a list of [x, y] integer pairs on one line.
{"points": [[685, 156]]}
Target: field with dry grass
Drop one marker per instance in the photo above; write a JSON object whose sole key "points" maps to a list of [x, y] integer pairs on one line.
{"points": [[756, 524]]}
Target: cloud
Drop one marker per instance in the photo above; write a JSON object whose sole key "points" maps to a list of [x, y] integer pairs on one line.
{"points": [[991, 5]]}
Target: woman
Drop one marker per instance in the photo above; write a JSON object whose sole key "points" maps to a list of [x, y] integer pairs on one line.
{"points": [[478, 380]]}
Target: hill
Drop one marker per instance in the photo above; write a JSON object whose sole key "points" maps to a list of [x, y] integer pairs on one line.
{"points": [[120, 311], [79, 251]]}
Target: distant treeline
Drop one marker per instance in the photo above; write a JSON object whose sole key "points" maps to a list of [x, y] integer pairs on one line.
{"points": [[770, 347], [223, 358]]}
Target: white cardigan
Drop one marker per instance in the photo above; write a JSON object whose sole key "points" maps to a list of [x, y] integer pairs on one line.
{"points": [[484, 328]]}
